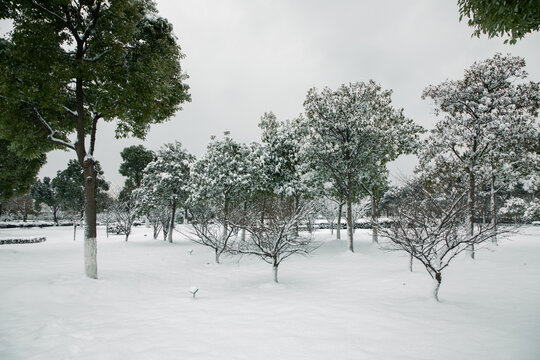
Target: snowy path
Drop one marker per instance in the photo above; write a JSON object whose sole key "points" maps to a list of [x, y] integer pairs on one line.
{"points": [[331, 305]]}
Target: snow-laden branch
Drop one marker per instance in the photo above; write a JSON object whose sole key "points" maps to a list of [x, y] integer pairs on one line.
{"points": [[52, 136], [50, 12]]}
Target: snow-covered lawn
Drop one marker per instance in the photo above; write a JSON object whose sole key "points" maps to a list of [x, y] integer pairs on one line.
{"points": [[332, 305]]}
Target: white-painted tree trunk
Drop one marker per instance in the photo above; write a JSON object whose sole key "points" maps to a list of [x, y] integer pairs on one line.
{"points": [[90, 257]]}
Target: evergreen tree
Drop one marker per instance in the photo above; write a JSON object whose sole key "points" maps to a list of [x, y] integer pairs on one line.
{"points": [[44, 193], [352, 133], [490, 119], [134, 159], [221, 182], [69, 64], [17, 173], [166, 180]]}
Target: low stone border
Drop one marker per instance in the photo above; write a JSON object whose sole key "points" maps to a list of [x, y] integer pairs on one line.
{"points": [[22, 241]]}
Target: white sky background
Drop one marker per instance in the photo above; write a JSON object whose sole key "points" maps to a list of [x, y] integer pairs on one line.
{"points": [[245, 57]]}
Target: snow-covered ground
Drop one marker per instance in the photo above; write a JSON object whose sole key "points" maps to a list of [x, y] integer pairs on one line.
{"points": [[332, 305]]}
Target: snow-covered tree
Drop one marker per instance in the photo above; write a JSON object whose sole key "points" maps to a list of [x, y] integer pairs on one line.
{"points": [[353, 132], [166, 180], [286, 173], [490, 118], [221, 182], [430, 228]]}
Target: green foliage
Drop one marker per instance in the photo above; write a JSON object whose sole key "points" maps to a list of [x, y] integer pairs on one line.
{"points": [[512, 18], [17, 173], [44, 193], [119, 54], [135, 159], [69, 187]]}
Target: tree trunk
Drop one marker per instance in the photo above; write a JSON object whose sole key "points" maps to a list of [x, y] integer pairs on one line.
{"points": [[493, 208], [55, 215], [127, 235], [275, 271], [107, 226], [349, 222], [217, 256], [225, 220], [156, 229], [295, 205], [410, 262], [185, 216], [166, 229], [74, 229], [263, 209], [438, 279], [374, 222], [338, 230], [470, 215], [332, 228], [90, 231], [171, 228]]}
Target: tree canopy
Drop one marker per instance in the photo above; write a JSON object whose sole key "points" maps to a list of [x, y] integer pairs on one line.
{"points": [[512, 18], [17, 173]]}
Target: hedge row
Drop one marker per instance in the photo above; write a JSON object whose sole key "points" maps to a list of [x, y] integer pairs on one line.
{"points": [[22, 241]]}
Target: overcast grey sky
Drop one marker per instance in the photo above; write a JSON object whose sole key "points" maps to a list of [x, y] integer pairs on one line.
{"points": [[245, 57]]}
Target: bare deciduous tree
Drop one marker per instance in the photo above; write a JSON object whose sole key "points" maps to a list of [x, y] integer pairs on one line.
{"points": [[432, 229], [275, 239], [212, 228]]}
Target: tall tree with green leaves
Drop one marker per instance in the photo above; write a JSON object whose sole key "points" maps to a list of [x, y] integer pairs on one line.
{"points": [[44, 193], [17, 173], [134, 159], [512, 18], [68, 64]]}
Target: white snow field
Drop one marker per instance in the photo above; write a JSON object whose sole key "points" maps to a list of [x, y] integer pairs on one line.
{"points": [[332, 305]]}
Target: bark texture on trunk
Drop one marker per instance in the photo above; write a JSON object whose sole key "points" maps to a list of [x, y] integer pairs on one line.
{"points": [[470, 215], [493, 209], [349, 224], [438, 279], [171, 227], [338, 229], [374, 230], [275, 272]]}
